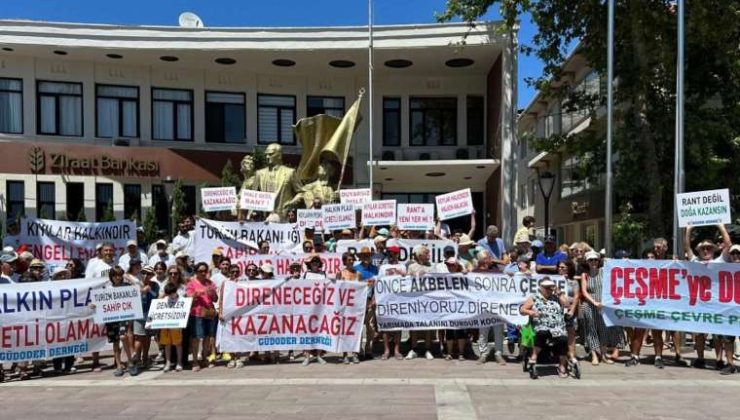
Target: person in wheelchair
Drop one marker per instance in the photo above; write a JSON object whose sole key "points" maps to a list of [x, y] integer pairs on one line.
{"points": [[545, 309]]}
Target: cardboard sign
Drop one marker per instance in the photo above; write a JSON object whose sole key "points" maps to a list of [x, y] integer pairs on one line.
{"points": [[167, 314], [115, 304], [218, 199], [310, 219], [338, 216], [379, 213], [415, 217], [454, 204], [703, 208], [257, 200], [358, 196]]}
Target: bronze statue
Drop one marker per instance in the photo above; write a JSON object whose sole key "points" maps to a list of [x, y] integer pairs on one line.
{"points": [[319, 189], [277, 178]]}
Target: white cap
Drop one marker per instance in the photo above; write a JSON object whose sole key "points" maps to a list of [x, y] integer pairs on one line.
{"points": [[593, 255], [735, 248], [266, 268], [546, 282], [59, 270], [130, 242]]}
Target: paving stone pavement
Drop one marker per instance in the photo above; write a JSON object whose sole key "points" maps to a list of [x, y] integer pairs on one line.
{"points": [[415, 389]]}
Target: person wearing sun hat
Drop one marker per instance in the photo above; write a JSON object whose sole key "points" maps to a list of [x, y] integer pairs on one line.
{"points": [[465, 254], [132, 252]]}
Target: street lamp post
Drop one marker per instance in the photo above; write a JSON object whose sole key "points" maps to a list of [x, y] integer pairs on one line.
{"points": [[547, 182]]}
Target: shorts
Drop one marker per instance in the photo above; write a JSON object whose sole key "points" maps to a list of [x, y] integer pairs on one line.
{"points": [[170, 337], [114, 331], [202, 327], [139, 329], [456, 334]]}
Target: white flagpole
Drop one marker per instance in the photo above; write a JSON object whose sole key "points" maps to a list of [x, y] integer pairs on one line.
{"points": [[609, 111], [370, 87], [678, 174]]}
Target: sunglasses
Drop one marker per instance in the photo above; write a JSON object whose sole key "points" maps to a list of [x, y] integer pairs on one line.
{"points": [[202, 271]]}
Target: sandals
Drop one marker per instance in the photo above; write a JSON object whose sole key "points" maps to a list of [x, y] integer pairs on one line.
{"points": [[385, 356], [562, 373], [448, 357], [398, 356]]}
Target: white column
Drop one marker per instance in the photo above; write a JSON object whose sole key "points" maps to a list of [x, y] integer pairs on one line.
{"points": [[508, 138]]}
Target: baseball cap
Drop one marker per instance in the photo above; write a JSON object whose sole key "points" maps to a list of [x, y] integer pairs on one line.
{"points": [[216, 251], [147, 269], [8, 257], [735, 248], [537, 244], [394, 248], [36, 263], [161, 242], [130, 243], [98, 246], [266, 268], [379, 238], [592, 255], [384, 232], [550, 238], [546, 282]]}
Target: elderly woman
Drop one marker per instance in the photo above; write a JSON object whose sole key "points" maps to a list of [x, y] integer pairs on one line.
{"points": [[597, 336], [568, 270], [545, 309], [484, 264]]}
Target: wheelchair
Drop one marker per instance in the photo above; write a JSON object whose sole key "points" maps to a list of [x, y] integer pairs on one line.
{"points": [[552, 348]]}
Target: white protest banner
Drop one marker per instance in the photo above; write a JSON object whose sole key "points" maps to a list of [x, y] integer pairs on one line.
{"points": [[415, 217], [292, 315], [453, 301], [436, 246], [703, 208], [239, 241], [356, 197], [331, 262], [114, 304], [166, 313], [338, 216], [379, 213], [310, 219], [672, 295], [57, 242], [257, 200], [454, 204], [44, 320], [218, 199]]}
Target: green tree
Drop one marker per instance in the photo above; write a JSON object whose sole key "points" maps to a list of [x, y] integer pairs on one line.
{"points": [[629, 231], [229, 178], [645, 66], [151, 230], [179, 208], [108, 214]]}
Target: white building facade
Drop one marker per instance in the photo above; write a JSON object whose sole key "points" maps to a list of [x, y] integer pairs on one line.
{"points": [[93, 115]]}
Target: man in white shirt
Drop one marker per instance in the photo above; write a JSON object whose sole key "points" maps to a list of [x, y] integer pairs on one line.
{"points": [[92, 260], [132, 252], [99, 267], [162, 255], [7, 259], [184, 239]]}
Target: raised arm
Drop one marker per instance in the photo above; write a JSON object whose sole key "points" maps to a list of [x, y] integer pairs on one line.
{"points": [[687, 243], [726, 242], [472, 224]]}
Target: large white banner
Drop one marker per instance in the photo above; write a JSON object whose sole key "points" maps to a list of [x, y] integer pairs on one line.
{"points": [[292, 315], [45, 320], [436, 246], [239, 241], [453, 301], [703, 208], [56, 242], [672, 295], [331, 262]]}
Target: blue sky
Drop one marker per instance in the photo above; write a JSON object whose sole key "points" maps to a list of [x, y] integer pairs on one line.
{"points": [[253, 13]]}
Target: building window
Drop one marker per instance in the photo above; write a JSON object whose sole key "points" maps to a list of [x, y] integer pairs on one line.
{"points": [[11, 106], [45, 200], [476, 120], [433, 121], [76, 202], [160, 201], [276, 118], [391, 121], [117, 111], [59, 108], [225, 117], [132, 202], [16, 200], [329, 105], [188, 192], [573, 176], [172, 114], [104, 202]]}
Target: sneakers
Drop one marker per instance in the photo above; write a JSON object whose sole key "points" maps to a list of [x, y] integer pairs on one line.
{"points": [[633, 361], [499, 359], [355, 359], [728, 370], [482, 359], [159, 359], [659, 363], [178, 368], [226, 357], [321, 360], [167, 368], [699, 364], [118, 373], [533, 370], [429, 355], [231, 364], [239, 364], [720, 365], [345, 360], [211, 358], [133, 369], [306, 361], [411, 355]]}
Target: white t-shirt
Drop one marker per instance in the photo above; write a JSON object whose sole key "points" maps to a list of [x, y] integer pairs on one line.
{"points": [[126, 258], [182, 242], [388, 270], [167, 259], [314, 276], [97, 268], [218, 279]]}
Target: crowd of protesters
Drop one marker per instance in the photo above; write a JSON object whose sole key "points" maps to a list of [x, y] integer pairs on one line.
{"points": [[561, 319]]}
